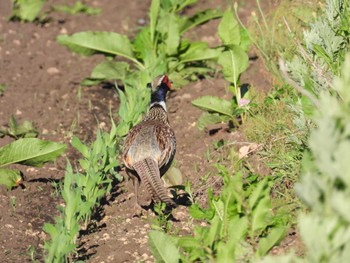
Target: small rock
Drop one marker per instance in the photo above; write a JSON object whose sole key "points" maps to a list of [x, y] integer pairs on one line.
{"points": [[102, 125], [18, 112], [141, 21], [45, 131], [17, 42], [63, 31], [53, 71], [31, 170]]}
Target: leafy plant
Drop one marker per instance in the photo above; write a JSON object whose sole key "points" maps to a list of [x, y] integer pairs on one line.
{"points": [[28, 151], [82, 193], [26, 10], [77, 8], [234, 61], [240, 223], [157, 49], [15, 130], [324, 185], [315, 64]]}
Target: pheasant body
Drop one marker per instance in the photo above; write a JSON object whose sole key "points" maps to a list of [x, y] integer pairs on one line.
{"points": [[150, 146]]}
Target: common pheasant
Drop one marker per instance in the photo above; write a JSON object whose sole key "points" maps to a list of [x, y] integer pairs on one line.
{"points": [[150, 146]]}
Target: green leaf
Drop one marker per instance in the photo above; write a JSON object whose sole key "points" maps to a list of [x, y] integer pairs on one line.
{"points": [[273, 238], [168, 26], [214, 104], [82, 148], [260, 214], [110, 70], [89, 43], [199, 18], [198, 51], [234, 62], [27, 10], [143, 47], [163, 247], [229, 30], [207, 118], [10, 178], [30, 151], [260, 191]]}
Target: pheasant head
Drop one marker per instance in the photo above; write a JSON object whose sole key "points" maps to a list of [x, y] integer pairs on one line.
{"points": [[159, 86]]}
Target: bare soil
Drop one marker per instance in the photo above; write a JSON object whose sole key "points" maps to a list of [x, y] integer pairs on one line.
{"points": [[42, 80]]}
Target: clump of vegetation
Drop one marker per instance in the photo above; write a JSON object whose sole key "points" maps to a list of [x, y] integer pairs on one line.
{"points": [[78, 8], [234, 61], [324, 184], [29, 10], [16, 130], [239, 224], [82, 193], [157, 49], [26, 10]]}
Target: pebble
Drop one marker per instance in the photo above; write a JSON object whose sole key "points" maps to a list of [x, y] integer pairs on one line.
{"points": [[102, 125], [53, 71], [18, 112], [63, 31], [141, 21], [17, 42]]}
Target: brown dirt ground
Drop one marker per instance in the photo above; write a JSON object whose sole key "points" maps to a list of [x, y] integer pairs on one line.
{"points": [[43, 86]]}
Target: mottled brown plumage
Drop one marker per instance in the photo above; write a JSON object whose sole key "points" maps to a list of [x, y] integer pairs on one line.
{"points": [[150, 146]]}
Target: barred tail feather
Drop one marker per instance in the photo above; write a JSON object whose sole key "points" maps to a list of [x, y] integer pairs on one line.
{"points": [[148, 170]]}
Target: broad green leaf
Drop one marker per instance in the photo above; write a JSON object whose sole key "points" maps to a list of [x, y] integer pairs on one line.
{"points": [[260, 191], [198, 51], [82, 148], [10, 178], [30, 151], [234, 62], [207, 118], [143, 47], [229, 30], [245, 40], [110, 70], [272, 239], [214, 105], [89, 43], [199, 18], [27, 10], [163, 247], [168, 26], [260, 214], [189, 242], [199, 213]]}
